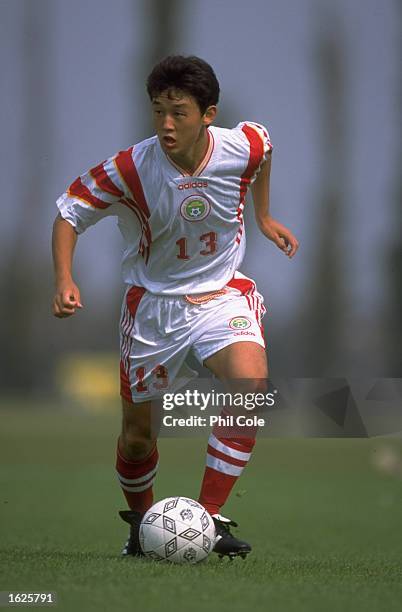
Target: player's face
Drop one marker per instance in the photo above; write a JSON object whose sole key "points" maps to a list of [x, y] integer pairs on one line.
{"points": [[179, 122]]}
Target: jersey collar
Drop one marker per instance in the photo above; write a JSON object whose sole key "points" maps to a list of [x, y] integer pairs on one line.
{"points": [[202, 165]]}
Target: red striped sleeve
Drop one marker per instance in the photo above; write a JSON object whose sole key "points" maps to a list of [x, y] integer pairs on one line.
{"points": [[254, 160], [78, 190], [104, 182], [144, 247], [126, 166], [256, 151]]}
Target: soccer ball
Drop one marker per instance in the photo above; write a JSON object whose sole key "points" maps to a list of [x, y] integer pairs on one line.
{"points": [[177, 529]]}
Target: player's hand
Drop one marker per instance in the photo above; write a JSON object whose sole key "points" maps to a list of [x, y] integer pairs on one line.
{"points": [[66, 300], [281, 236]]}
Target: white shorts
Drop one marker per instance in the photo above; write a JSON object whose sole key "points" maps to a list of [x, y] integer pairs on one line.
{"points": [[158, 332]]}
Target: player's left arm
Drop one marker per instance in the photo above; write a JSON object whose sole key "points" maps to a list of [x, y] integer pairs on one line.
{"points": [[272, 229]]}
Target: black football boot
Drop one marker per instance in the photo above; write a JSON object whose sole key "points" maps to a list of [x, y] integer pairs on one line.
{"points": [[227, 544], [132, 546]]}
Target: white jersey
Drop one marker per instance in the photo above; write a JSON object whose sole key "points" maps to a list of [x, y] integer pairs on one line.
{"points": [[183, 233]]}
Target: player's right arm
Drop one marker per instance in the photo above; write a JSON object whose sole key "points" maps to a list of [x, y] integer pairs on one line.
{"points": [[67, 295], [88, 199]]}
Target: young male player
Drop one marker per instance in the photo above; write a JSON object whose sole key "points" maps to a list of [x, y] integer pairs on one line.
{"points": [[179, 198]]}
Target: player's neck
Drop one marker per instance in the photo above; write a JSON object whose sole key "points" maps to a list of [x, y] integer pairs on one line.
{"points": [[191, 159]]}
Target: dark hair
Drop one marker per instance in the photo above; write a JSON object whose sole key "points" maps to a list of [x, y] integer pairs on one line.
{"points": [[188, 74]]}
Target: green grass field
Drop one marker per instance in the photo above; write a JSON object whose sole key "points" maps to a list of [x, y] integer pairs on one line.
{"points": [[325, 524]]}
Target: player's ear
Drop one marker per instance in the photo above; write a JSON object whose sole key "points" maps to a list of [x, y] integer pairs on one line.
{"points": [[209, 115]]}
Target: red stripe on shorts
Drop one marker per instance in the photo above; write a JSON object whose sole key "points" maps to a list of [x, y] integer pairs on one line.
{"points": [[242, 284], [133, 299]]}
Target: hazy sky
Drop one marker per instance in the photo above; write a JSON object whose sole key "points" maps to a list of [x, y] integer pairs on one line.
{"points": [[263, 54]]}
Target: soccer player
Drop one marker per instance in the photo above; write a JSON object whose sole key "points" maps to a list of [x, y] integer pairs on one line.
{"points": [[179, 198]]}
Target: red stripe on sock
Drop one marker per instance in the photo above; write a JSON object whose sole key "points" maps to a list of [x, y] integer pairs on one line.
{"points": [[219, 455], [217, 486], [140, 501], [244, 445], [136, 469]]}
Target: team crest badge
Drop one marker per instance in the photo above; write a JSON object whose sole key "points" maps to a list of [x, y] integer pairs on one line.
{"points": [[239, 323], [195, 208]]}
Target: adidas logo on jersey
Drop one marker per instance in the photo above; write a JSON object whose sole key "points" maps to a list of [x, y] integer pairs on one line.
{"points": [[193, 185]]}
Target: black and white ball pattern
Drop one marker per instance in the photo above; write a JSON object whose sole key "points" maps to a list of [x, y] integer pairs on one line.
{"points": [[177, 529]]}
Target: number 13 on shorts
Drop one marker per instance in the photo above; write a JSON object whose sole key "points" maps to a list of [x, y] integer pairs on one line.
{"points": [[161, 378]]}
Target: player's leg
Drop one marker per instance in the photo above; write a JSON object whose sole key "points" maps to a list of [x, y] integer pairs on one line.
{"points": [[144, 374], [227, 456], [137, 455], [136, 466], [243, 366], [233, 348], [244, 360]]}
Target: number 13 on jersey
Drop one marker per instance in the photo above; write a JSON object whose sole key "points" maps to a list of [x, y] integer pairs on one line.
{"points": [[208, 245]]}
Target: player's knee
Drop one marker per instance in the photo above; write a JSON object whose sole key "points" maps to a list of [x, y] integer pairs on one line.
{"points": [[252, 385], [258, 385], [136, 446]]}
